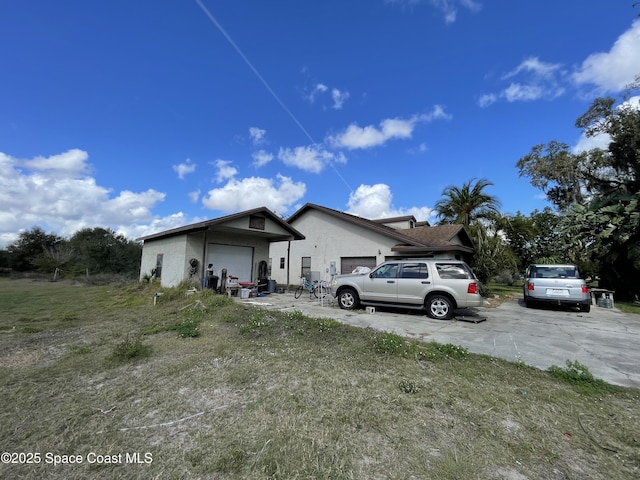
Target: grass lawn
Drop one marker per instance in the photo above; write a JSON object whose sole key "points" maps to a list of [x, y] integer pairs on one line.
{"points": [[202, 387]]}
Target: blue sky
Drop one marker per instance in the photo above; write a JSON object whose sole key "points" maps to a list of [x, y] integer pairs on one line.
{"points": [[146, 115]]}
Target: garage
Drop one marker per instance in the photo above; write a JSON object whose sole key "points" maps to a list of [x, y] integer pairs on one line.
{"points": [[238, 260], [348, 264]]}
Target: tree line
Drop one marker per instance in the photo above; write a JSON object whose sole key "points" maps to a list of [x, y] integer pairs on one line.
{"points": [[89, 250]]}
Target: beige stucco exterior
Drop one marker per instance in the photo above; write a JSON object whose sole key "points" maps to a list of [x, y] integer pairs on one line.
{"points": [[329, 239], [197, 241], [326, 240]]}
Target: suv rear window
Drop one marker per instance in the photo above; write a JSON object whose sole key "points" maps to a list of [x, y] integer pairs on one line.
{"points": [[453, 271], [555, 272]]}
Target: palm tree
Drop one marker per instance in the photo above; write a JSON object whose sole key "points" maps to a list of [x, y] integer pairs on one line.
{"points": [[467, 204]]}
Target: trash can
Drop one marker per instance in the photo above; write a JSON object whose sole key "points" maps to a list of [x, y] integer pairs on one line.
{"points": [[271, 287]]}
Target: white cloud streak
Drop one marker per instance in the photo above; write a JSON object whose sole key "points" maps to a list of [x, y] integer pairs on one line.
{"points": [[356, 137]]}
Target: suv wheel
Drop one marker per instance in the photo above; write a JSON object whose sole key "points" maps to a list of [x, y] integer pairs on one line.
{"points": [[348, 299], [585, 307], [439, 307]]}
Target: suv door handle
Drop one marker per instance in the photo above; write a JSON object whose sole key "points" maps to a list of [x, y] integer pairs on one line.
{"points": [[391, 281], [426, 282]]}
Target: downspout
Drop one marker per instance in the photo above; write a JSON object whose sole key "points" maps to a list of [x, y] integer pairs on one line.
{"points": [[288, 257], [204, 258]]}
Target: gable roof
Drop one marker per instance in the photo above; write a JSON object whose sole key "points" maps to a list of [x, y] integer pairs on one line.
{"points": [[221, 221], [355, 220], [420, 239]]}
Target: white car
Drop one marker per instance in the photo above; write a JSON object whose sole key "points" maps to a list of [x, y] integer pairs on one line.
{"points": [[557, 284], [438, 286]]}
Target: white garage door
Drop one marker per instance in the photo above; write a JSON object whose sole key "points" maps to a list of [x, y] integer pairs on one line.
{"points": [[237, 260]]}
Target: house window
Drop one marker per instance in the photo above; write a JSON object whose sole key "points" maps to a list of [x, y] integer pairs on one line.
{"points": [[306, 266], [256, 222], [158, 269], [281, 263]]}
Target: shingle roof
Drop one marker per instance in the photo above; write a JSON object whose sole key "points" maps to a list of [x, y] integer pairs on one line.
{"points": [[439, 235]]}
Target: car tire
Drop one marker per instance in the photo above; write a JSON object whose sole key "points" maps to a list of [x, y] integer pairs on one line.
{"points": [[585, 307], [348, 299], [439, 307], [528, 303]]}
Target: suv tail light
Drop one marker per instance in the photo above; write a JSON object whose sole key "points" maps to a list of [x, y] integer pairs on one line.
{"points": [[530, 287], [585, 289], [472, 288]]}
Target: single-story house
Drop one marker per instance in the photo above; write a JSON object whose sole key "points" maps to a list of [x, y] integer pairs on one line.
{"points": [[337, 242], [238, 243]]}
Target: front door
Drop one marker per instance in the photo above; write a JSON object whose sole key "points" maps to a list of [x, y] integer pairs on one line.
{"points": [[381, 285]]}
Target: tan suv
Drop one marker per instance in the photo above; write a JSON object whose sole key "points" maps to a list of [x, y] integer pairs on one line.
{"points": [[436, 285]]}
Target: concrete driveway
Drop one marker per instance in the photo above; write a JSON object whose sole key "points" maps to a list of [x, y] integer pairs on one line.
{"points": [[605, 340]]}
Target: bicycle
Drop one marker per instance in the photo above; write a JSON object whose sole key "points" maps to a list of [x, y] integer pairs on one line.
{"points": [[312, 288], [324, 288]]}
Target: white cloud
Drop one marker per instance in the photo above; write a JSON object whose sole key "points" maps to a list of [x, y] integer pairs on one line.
{"points": [[354, 137], [261, 158], [339, 98], [535, 66], [536, 80], [194, 196], [54, 194], [487, 99], [318, 89], [517, 92], [257, 135], [612, 71], [225, 170], [156, 225], [237, 195], [309, 158], [183, 169], [589, 143], [605, 72], [71, 162], [449, 8], [374, 201]]}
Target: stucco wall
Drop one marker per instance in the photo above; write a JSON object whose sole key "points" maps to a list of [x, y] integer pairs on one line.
{"points": [[327, 239], [174, 260]]}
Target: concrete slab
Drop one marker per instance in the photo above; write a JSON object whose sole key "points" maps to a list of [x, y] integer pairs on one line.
{"points": [[605, 340]]}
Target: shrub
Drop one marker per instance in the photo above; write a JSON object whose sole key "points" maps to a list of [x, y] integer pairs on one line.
{"points": [[131, 347], [392, 344], [580, 377], [409, 386], [188, 328], [439, 351]]}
